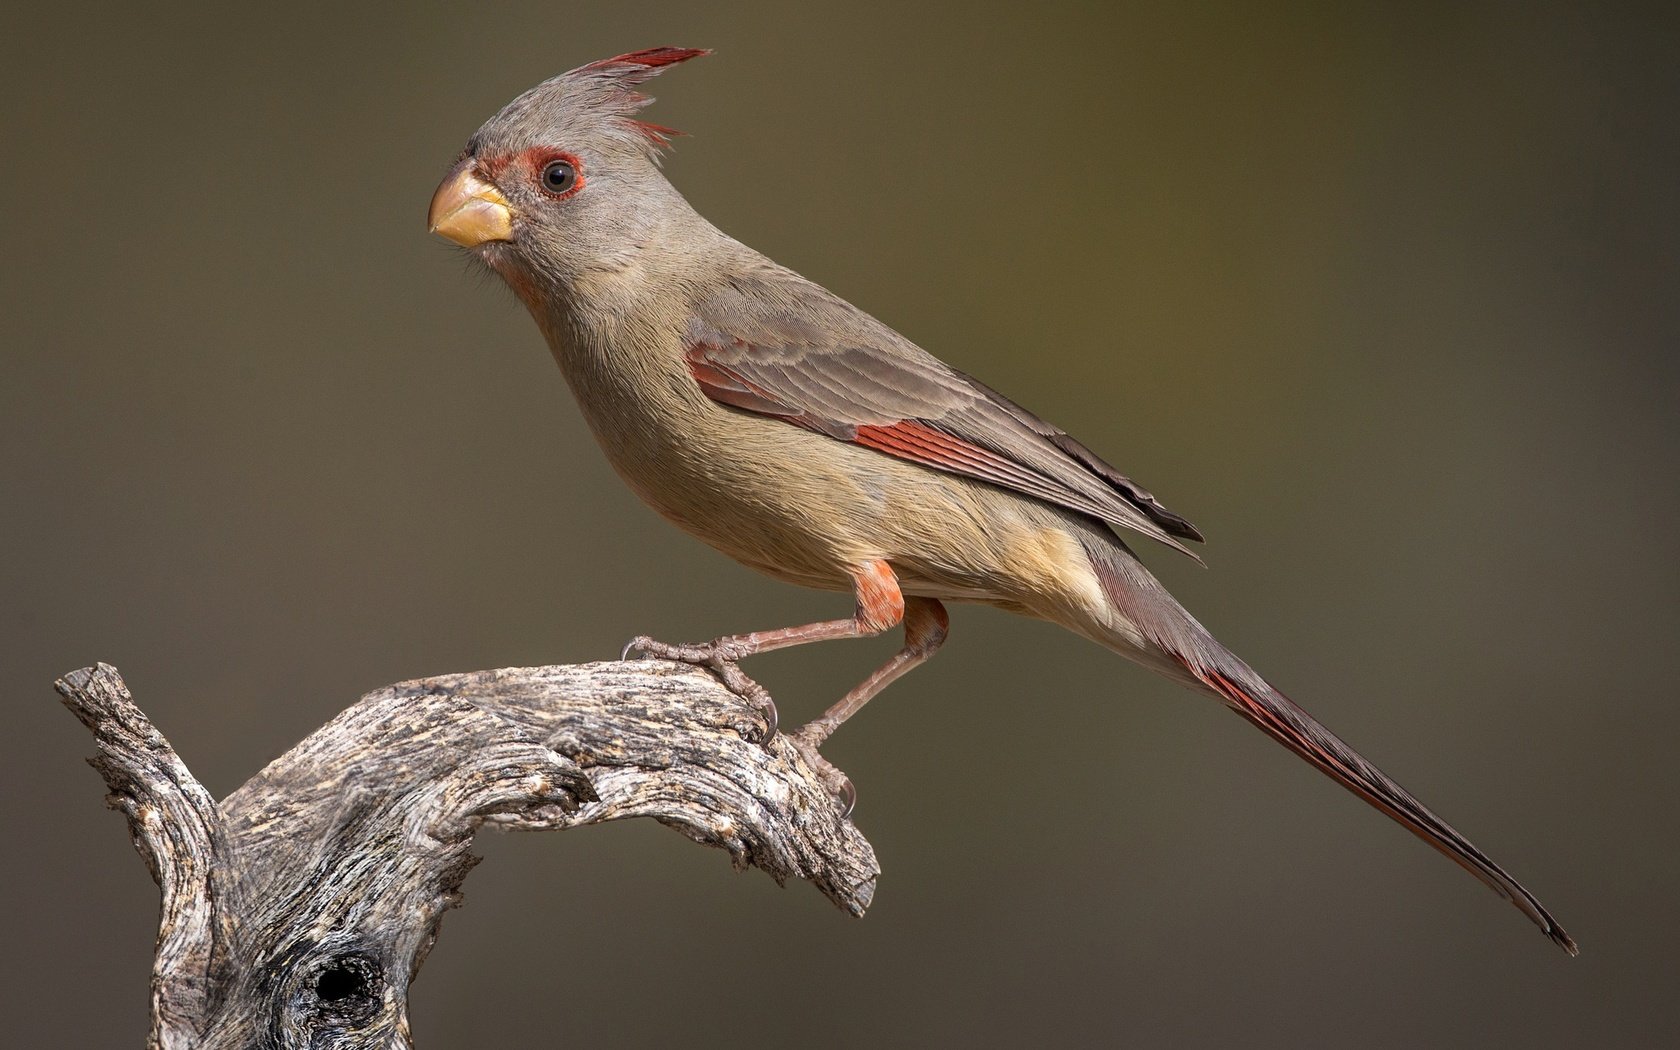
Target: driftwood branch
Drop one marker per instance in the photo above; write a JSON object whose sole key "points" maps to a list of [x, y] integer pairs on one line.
{"points": [[297, 910]]}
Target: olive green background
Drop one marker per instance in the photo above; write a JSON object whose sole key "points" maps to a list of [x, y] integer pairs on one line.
{"points": [[1383, 297]]}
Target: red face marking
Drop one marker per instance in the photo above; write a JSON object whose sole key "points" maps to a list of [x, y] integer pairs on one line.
{"points": [[528, 166], [493, 165], [537, 163]]}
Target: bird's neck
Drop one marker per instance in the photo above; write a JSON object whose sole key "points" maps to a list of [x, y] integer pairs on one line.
{"points": [[656, 259], [617, 327], [666, 259]]}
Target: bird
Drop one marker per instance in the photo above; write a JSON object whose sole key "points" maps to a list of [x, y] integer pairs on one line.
{"points": [[794, 432]]}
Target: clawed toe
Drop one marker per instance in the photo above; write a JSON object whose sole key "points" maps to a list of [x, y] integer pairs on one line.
{"points": [[737, 682], [651, 649], [720, 658], [847, 794], [839, 785]]}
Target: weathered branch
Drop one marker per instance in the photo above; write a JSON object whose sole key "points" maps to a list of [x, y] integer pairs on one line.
{"points": [[297, 911]]}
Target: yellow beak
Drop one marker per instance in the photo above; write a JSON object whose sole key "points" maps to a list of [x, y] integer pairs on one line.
{"points": [[468, 210]]}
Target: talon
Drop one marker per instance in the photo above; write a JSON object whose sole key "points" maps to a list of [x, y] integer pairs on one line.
{"points": [[700, 655], [848, 795], [772, 720], [838, 784], [737, 682], [719, 658]]}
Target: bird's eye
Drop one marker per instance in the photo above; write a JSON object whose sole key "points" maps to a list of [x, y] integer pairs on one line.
{"points": [[559, 176]]}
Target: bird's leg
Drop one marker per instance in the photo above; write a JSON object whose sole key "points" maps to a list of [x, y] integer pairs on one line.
{"points": [[925, 628], [880, 605]]}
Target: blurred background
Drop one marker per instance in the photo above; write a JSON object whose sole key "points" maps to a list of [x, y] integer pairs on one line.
{"points": [[1383, 297]]}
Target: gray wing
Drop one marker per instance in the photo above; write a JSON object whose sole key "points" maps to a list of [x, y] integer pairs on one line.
{"points": [[789, 350]]}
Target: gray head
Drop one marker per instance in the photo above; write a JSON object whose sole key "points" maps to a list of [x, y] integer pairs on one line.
{"points": [[565, 179]]}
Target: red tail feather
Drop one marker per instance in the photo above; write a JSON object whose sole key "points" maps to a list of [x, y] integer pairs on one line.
{"points": [[1287, 723]]}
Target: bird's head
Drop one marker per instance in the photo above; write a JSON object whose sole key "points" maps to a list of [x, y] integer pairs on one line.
{"points": [[565, 180]]}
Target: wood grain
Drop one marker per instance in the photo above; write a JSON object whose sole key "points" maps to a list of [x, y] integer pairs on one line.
{"points": [[297, 911]]}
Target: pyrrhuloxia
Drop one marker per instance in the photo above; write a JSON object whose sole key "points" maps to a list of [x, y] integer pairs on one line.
{"points": [[801, 436]]}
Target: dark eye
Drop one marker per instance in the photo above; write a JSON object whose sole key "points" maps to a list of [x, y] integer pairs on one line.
{"points": [[558, 176]]}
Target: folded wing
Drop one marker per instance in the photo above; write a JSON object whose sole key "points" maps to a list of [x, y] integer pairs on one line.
{"points": [[817, 362]]}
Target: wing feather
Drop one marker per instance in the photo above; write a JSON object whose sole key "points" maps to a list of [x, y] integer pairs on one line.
{"points": [[807, 357]]}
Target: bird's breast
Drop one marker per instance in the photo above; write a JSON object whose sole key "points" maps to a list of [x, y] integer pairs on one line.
{"points": [[804, 507], [756, 489]]}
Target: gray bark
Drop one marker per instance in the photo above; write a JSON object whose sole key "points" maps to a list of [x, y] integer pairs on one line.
{"points": [[298, 909]]}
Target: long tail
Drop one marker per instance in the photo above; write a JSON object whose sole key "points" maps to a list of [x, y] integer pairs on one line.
{"points": [[1171, 631]]}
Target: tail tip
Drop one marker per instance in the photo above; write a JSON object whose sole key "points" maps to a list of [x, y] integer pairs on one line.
{"points": [[1563, 940]]}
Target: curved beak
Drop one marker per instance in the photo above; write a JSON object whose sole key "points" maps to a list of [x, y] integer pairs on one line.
{"points": [[468, 210]]}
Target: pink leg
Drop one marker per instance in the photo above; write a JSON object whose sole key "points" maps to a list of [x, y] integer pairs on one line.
{"points": [[925, 628], [880, 605]]}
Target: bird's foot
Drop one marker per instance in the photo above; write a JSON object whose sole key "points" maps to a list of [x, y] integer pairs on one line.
{"points": [[722, 658], [806, 740]]}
